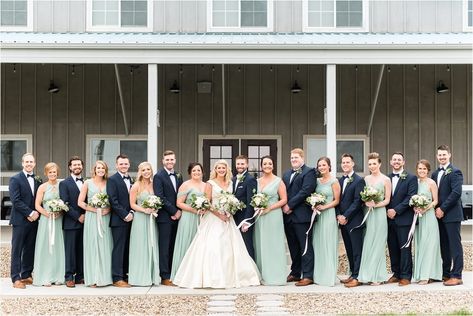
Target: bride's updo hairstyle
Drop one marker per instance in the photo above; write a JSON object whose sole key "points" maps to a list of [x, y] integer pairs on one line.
{"points": [[228, 175], [374, 155]]}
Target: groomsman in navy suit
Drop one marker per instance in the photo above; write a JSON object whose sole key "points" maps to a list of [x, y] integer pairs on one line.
{"points": [[350, 215], [166, 183], [118, 188], [300, 183], [243, 186], [73, 223], [449, 213], [400, 216], [24, 219]]}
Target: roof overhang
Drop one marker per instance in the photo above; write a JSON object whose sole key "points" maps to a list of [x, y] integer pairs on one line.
{"points": [[236, 48]]}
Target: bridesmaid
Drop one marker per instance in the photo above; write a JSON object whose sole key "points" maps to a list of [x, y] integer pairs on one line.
{"points": [[97, 246], [144, 254], [49, 263], [269, 238], [428, 262], [190, 219], [373, 257], [325, 236]]}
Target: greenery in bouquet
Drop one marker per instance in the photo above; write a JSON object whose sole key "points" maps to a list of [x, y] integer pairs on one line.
{"points": [[228, 203], [99, 200], [200, 202], [369, 193], [56, 205]]}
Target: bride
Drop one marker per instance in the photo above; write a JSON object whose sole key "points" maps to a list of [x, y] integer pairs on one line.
{"points": [[217, 257]]}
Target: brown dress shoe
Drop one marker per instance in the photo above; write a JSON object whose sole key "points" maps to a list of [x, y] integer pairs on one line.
{"points": [[80, 281], [70, 283], [393, 279], [445, 279], [291, 278], [404, 282], [167, 282], [19, 285], [27, 281], [453, 282], [347, 280], [121, 283], [304, 282], [353, 283]]}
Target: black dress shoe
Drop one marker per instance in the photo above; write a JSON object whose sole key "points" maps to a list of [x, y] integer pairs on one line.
{"points": [[291, 278]]}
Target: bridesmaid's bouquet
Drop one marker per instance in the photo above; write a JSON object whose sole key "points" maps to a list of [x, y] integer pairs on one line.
{"points": [[200, 203], [153, 202], [369, 193], [316, 199], [56, 205], [259, 200], [420, 201], [228, 203], [99, 200]]}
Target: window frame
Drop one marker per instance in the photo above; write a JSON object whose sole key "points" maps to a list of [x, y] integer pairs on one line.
{"points": [[466, 27], [117, 28], [269, 27], [29, 21], [29, 148], [306, 28]]}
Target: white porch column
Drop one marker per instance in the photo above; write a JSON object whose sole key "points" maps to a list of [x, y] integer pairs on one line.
{"points": [[153, 115], [331, 110]]}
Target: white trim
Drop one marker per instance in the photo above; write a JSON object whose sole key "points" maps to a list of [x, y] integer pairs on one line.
{"points": [[153, 115], [29, 21], [29, 148], [466, 27], [269, 20], [306, 28], [331, 106], [117, 28]]}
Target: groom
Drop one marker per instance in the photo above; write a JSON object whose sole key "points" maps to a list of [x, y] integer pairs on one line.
{"points": [[243, 186]]}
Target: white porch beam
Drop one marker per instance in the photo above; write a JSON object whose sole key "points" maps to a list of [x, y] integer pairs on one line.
{"points": [[331, 106], [153, 115]]}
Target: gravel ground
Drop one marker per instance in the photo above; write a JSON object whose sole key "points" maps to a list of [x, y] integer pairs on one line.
{"points": [[246, 304]]}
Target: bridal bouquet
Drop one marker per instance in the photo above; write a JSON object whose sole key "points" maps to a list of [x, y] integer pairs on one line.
{"points": [[316, 199], [420, 201], [153, 202], [371, 194], [200, 203], [259, 200], [56, 205], [99, 200], [228, 203]]}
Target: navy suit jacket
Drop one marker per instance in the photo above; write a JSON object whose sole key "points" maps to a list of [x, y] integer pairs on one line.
{"points": [[244, 193], [119, 199], [22, 199], [163, 188], [405, 189], [303, 184], [351, 205], [450, 191], [69, 193]]}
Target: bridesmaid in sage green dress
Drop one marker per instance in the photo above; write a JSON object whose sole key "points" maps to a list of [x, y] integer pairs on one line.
{"points": [[373, 258], [189, 220], [144, 254], [325, 236], [49, 263], [269, 238], [428, 261], [98, 242]]}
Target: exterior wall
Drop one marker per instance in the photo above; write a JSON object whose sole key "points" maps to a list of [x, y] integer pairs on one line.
{"points": [[410, 115], [393, 16]]}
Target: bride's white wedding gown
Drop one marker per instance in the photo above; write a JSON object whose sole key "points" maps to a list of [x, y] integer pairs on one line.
{"points": [[217, 257]]}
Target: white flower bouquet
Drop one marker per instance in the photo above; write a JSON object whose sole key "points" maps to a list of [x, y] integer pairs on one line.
{"points": [[420, 201], [99, 200], [316, 199], [369, 193], [228, 203], [56, 205], [152, 201], [260, 200], [199, 202]]}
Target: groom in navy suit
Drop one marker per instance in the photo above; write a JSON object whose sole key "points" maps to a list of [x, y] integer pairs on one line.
{"points": [[350, 215], [166, 183], [118, 188], [400, 216], [300, 183], [23, 187], [73, 223], [243, 186], [449, 213]]}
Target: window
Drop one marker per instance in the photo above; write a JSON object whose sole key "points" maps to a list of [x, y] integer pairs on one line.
{"points": [[357, 145], [335, 15], [16, 15], [107, 148], [119, 15], [468, 15], [240, 15], [13, 148]]}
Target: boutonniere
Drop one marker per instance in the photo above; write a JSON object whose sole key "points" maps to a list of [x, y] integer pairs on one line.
{"points": [[403, 175], [241, 177], [298, 171], [350, 180], [178, 176], [447, 171], [38, 179]]}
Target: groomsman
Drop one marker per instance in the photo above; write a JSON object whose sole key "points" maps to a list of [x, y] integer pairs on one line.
{"points": [[73, 223], [449, 213], [400, 216], [350, 215], [166, 183], [243, 186], [118, 188], [300, 182], [22, 188]]}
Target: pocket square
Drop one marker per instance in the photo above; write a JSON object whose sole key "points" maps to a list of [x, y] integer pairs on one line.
{"points": [[240, 187]]}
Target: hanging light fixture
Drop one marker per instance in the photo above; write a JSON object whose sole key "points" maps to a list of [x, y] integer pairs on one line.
{"points": [[296, 88], [441, 87], [175, 87], [53, 88]]}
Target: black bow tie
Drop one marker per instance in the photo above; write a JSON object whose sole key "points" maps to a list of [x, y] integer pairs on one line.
{"points": [[345, 177], [127, 177], [80, 179], [395, 175], [172, 174], [30, 175], [294, 170], [441, 169]]}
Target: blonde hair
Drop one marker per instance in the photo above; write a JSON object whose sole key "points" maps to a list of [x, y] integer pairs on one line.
{"points": [[228, 175], [298, 151], [104, 164], [139, 177], [49, 166]]}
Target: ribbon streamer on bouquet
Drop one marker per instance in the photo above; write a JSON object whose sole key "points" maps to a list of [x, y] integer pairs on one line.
{"points": [[51, 231], [99, 222], [364, 219], [201, 214], [151, 229], [312, 219], [411, 231], [257, 214]]}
